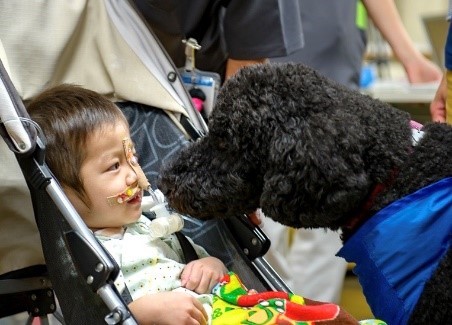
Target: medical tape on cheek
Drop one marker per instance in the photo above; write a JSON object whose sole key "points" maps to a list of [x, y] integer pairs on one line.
{"points": [[142, 182], [124, 196]]}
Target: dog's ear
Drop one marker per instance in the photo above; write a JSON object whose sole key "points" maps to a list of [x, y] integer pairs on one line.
{"points": [[315, 172]]}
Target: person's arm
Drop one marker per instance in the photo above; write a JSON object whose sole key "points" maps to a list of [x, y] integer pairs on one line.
{"points": [[386, 18], [168, 308], [233, 66]]}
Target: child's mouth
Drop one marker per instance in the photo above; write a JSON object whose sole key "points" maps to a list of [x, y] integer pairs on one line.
{"points": [[131, 193], [135, 199]]}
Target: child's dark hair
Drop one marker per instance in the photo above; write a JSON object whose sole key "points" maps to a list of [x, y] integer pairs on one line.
{"points": [[68, 114]]}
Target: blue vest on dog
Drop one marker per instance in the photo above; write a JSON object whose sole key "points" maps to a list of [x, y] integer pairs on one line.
{"points": [[397, 250]]}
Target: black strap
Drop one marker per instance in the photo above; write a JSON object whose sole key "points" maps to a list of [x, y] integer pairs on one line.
{"points": [[126, 296], [187, 248]]}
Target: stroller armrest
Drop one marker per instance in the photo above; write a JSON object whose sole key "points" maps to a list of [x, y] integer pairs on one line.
{"points": [[90, 263], [251, 239]]}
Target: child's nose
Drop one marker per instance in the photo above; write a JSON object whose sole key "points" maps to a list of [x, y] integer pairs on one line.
{"points": [[131, 177]]}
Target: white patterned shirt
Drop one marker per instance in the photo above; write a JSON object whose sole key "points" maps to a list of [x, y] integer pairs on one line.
{"points": [[147, 266]]}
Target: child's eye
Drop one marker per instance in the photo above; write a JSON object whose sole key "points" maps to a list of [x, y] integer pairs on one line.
{"points": [[114, 166]]}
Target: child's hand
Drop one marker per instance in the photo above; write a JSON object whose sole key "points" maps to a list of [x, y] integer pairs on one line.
{"points": [[168, 308], [201, 275]]}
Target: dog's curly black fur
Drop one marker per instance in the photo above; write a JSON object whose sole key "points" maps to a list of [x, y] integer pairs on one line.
{"points": [[308, 152]]}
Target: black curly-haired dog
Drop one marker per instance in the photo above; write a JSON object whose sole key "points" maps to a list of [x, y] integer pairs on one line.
{"points": [[312, 153]]}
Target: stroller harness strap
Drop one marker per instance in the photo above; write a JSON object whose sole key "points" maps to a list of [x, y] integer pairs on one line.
{"points": [[187, 248]]}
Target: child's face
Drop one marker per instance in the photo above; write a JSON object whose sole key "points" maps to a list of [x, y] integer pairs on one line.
{"points": [[106, 172]]}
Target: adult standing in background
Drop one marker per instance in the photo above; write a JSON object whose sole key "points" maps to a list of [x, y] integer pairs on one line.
{"points": [[336, 47], [232, 33], [335, 42]]}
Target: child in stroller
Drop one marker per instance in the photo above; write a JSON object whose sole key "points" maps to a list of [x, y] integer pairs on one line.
{"points": [[92, 126], [105, 183]]}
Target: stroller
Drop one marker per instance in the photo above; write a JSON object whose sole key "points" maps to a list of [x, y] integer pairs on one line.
{"points": [[77, 270]]}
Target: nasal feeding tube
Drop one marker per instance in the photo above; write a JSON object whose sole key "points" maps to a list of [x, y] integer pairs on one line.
{"points": [[142, 182]]}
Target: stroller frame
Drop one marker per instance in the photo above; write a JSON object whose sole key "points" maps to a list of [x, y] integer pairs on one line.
{"points": [[100, 271]]}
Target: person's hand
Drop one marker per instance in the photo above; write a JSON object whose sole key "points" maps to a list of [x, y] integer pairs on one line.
{"points": [[168, 308], [202, 275], [420, 70], [438, 104]]}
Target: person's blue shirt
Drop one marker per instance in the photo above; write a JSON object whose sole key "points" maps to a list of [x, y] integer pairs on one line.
{"points": [[448, 49], [448, 46]]}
